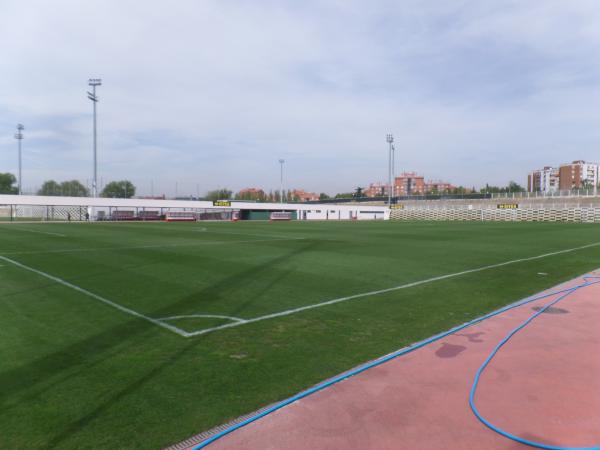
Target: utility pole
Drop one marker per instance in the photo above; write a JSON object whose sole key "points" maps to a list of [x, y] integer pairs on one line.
{"points": [[281, 161], [19, 138], [393, 170], [390, 140], [93, 82]]}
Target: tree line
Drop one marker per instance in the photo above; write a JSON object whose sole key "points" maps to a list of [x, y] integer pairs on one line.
{"points": [[70, 188], [74, 188], [513, 186], [126, 189], [257, 195]]}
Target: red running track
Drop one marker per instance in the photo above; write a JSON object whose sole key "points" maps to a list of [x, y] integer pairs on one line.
{"points": [[543, 385]]}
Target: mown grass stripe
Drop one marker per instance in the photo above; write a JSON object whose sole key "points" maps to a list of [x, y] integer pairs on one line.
{"points": [[96, 297], [383, 291]]}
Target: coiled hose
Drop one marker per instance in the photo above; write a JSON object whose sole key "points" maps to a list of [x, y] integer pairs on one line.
{"points": [[587, 282]]}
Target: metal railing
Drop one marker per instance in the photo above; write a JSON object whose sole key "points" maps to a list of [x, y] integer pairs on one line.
{"points": [[539, 194]]}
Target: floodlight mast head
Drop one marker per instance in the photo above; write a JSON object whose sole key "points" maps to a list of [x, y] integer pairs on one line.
{"points": [[389, 138], [19, 133], [94, 82]]}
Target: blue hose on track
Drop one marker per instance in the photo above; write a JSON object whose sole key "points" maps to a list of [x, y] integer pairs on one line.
{"points": [[404, 351], [490, 425]]}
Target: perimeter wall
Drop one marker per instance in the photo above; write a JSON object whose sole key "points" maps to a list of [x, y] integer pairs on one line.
{"points": [[566, 209]]}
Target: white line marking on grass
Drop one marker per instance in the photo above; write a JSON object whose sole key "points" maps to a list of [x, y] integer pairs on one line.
{"points": [[383, 291], [205, 230], [97, 297], [135, 247], [40, 232], [208, 316]]}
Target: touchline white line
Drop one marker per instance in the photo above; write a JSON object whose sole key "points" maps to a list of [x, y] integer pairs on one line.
{"points": [[97, 297], [383, 291], [136, 247], [40, 232]]}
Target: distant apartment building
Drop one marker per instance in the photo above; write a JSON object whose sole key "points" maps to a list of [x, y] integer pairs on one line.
{"points": [[409, 183], [549, 179], [533, 181], [251, 194], [438, 186], [378, 189], [575, 175], [543, 180], [252, 191], [304, 196], [578, 175]]}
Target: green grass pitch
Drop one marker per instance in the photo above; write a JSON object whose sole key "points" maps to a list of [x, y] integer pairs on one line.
{"points": [[77, 372]]}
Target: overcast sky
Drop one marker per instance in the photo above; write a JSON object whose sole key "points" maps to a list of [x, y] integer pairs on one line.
{"points": [[213, 93]]}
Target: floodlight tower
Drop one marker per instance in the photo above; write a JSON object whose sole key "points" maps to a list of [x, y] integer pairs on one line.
{"points": [[390, 140], [19, 138], [393, 170], [281, 161], [93, 82]]}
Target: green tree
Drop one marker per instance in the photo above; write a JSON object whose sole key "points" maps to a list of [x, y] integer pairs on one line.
{"points": [[460, 190], [7, 180], [344, 195], [513, 186], [257, 196], [358, 192], [490, 189], [74, 188], [323, 196], [50, 187], [587, 184], [119, 189], [219, 194], [71, 188]]}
